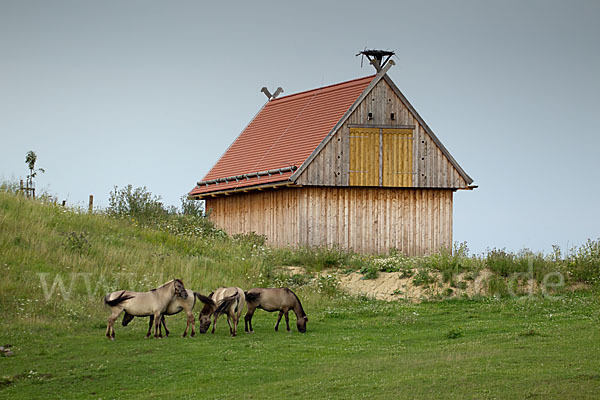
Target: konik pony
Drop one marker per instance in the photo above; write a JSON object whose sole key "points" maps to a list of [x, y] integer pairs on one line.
{"points": [[228, 301], [275, 299], [176, 305], [142, 304]]}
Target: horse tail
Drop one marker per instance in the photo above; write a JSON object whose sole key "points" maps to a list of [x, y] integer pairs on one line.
{"points": [[226, 303], [117, 300], [251, 296], [204, 299]]}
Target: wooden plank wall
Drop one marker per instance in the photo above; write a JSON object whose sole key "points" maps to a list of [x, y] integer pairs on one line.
{"points": [[432, 169], [273, 213], [367, 220]]}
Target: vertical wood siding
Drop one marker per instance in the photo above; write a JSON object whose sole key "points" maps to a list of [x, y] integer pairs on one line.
{"points": [[364, 219], [431, 168]]}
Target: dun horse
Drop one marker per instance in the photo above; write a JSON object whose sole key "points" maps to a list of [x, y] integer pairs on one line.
{"points": [[142, 304], [175, 306], [228, 301], [275, 299]]}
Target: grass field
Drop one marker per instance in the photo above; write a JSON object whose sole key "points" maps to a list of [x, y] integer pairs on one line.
{"points": [[527, 347]]}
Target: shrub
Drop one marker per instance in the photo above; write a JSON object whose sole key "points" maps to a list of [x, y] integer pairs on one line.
{"points": [[77, 242], [192, 207], [250, 240], [423, 278], [497, 286], [136, 203], [369, 272], [583, 263], [501, 262], [313, 259]]}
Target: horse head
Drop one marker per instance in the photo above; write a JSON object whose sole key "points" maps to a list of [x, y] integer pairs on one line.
{"points": [[204, 323], [301, 323], [180, 289], [206, 312]]}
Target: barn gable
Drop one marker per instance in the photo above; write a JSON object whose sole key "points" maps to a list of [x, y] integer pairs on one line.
{"points": [[383, 121]]}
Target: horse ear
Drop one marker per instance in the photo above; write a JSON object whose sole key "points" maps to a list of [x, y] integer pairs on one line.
{"points": [[204, 299]]}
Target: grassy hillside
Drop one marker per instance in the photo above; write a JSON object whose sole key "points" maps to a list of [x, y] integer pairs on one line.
{"points": [[354, 348]]}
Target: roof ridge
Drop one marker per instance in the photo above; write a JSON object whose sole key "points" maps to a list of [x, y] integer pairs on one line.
{"points": [[305, 93]]}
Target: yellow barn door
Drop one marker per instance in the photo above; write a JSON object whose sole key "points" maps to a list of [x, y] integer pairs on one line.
{"points": [[364, 157], [381, 157], [397, 157]]}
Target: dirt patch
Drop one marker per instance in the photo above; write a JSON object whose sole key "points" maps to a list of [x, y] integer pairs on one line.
{"points": [[391, 286], [415, 285], [290, 270]]}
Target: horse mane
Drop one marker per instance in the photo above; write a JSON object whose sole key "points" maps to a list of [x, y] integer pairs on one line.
{"points": [[167, 283], [204, 299], [298, 300]]}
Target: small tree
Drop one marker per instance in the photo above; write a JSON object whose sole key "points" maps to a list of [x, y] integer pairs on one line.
{"points": [[192, 207], [30, 159]]}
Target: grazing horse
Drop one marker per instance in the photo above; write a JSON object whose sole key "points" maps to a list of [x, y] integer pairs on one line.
{"points": [[140, 304], [228, 301], [275, 299], [176, 305]]}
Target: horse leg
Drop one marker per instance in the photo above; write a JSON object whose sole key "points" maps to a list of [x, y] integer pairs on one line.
{"points": [[110, 328], [157, 318], [190, 320], [235, 324], [214, 324], [287, 321], [150, 326], [248, 321], [164, 323], [229, 323], [248, 318], [278, 319]]}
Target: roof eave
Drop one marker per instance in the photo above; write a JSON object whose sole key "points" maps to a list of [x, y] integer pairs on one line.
{"points": [[228, 192]]}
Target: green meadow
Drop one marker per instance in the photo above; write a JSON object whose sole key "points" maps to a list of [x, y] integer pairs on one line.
{"points": [[57, 264]]}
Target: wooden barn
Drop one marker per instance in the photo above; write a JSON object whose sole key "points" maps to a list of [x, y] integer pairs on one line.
{"points": [[351, 165]]}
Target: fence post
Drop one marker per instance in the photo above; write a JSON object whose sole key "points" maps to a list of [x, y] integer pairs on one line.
{"points": [[21, 187], [91, 205]]}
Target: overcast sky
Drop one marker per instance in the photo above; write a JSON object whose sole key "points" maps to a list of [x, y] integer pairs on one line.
{"points": [[151, 93]]}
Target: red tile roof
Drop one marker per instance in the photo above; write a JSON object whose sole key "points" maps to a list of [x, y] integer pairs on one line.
{"points": [[283, 134]]}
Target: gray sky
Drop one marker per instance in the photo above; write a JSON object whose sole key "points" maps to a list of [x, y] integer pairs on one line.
{"points": [[150, 93]]}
